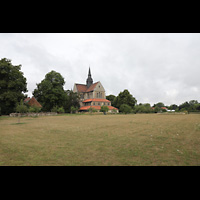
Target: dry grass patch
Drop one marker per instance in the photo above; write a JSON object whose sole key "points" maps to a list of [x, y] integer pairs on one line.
{"points": [[141, 139]]}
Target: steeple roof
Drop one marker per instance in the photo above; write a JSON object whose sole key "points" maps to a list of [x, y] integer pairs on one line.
{"points": [[89, 73], [89, 80]]}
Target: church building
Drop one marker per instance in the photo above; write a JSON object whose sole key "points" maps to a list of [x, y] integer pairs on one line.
{"points": [[92, 95]]}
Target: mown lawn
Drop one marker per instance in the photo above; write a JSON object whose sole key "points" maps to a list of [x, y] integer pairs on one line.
{"points": [[70, 140]]}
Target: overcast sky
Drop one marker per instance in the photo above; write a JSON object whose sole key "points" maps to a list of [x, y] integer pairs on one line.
{"points": [[159, 67]]}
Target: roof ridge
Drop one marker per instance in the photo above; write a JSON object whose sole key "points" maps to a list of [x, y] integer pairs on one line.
{"points": [[79, 84], [85, 84]]}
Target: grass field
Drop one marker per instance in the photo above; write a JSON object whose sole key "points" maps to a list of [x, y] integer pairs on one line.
{"points": [[136, 139]]}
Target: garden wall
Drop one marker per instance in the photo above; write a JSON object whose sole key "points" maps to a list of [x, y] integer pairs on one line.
{"points": [[33, 114]]}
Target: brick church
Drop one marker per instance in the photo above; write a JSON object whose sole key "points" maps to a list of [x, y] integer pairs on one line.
{"points": [[92, 95]]}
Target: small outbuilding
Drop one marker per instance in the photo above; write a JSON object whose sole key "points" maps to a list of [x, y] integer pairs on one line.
{"points": [[32, 102]]}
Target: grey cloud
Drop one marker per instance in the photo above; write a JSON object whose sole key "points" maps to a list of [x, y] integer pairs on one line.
{"points": [[153, 67]]}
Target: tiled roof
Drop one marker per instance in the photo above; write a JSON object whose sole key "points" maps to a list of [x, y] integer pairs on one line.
{"points": [[27, 100], [96, 100], [87, 107], [32, 102], [83, 88], [97, 107], [91, 88], [111, 108]]}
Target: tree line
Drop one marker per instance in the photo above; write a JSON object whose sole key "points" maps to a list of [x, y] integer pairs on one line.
{"points": [[51, 95], [126, 103], [49, 92]]}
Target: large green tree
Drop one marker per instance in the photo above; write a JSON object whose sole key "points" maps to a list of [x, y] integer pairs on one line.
{"points": [[111, 98], [173, 107], [50, 92], [159, 104], [71, 100], [191, 106], [125, 98], [184, 105], [12, 86]]}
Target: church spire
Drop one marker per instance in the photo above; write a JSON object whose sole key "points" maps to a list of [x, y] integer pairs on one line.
{"points": [[89, 73], [89, 80]]}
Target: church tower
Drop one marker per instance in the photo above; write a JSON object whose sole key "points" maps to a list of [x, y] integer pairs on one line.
{"points": [[89, 80], [92, 95]]}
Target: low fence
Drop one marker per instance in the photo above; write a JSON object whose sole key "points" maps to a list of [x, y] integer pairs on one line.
{"points": [[33, 114]]}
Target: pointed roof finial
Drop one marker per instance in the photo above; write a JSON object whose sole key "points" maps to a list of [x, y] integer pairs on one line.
{"points": [[89, 73]]}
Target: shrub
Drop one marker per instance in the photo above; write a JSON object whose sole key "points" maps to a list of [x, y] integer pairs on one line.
{"points": [[54, 109], [114, 111], [92, 110], [31, 109], [143, 108], [34, 109], [73, 109], [21, 108], [104, 109], [60, 110], [124, 108], [157, 109]]}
